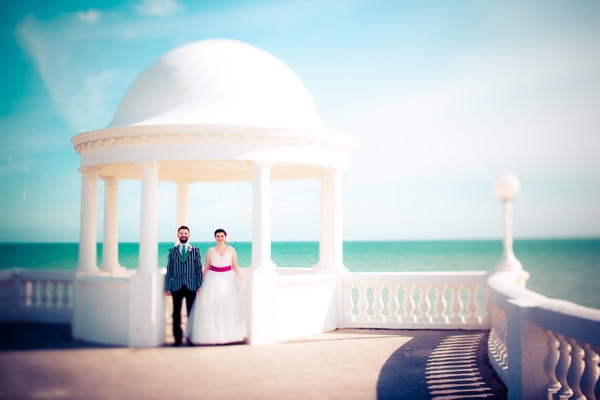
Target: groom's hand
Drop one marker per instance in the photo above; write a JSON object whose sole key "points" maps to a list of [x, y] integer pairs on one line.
{"points": [[168, 293]]}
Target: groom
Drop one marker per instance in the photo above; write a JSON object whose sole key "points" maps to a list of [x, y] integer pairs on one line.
{"points": [[183, 279]]}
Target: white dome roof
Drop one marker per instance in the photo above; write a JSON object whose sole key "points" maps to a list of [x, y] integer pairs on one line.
{"points": [[218, 82]]}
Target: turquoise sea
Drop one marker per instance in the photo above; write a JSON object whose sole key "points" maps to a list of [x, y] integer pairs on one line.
{"points": [[568, 269]]}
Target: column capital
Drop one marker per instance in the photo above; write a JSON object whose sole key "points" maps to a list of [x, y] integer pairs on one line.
{"points": [[86, 171], [109, 178]]}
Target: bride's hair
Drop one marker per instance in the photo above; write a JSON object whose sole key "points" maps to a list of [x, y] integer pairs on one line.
{"points": [[220, 230]]}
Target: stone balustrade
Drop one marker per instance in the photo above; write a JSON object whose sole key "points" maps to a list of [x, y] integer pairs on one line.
{"points": [[416, 300], [539, 347], [36, 295], [542, 347]]}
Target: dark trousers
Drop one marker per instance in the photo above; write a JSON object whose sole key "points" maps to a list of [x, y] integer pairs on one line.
{"points": [[178, 296]]}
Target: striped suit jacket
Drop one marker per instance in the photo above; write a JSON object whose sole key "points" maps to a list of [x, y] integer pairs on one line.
{"points": [[180, 272]]}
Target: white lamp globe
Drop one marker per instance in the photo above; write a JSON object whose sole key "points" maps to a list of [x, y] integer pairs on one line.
{"points": [[506, 187]]}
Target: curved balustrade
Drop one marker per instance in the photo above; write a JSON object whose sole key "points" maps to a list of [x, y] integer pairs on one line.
{"points": [[410, 300], [542, 347]]}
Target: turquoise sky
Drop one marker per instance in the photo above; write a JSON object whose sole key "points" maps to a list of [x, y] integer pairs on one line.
{"points": [[441, 97]]}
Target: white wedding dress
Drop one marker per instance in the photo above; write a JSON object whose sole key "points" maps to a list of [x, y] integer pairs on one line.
{"points": [[218, 315]]}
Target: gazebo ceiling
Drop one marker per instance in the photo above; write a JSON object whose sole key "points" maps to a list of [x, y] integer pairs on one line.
{"points": [[209, 111]]}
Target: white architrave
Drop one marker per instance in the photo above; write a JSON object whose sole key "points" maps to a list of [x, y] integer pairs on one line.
{"points": [[87, 233], [261, 218], [110, 242], [148, 260]]}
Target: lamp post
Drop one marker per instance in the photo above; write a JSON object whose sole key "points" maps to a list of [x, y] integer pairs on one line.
{"points": [[506, 187]]}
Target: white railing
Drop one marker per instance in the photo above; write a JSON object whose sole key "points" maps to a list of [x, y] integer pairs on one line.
{"points": [[416, 300], [542, 347], [36, 295]]}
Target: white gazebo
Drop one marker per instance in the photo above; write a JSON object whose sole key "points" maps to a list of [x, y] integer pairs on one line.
{"points": [[209, 110]]}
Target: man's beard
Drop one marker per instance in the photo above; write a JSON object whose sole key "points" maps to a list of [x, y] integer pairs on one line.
{"points": [[183, 239]]}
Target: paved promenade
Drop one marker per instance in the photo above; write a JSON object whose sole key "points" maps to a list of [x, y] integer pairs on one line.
{"points": [[39, 361]]}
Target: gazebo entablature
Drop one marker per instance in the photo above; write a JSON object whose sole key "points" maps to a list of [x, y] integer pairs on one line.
{"points": [[211, 153]]}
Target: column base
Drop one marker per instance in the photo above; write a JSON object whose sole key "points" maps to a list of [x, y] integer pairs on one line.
{"points": [[146, 310], [262, 306], [331, 268]]}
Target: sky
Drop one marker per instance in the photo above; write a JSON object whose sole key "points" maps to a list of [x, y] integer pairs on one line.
{"points": [[441, 98]]}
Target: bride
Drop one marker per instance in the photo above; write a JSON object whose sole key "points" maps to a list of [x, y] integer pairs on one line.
{"points": [[217, 314]]}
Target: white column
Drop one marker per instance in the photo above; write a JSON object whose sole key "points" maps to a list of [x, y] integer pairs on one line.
{"points": [[148, 258], [110, 242], [261, 218], [182, 212], [331, 245], [261, 283], [87, 229]]}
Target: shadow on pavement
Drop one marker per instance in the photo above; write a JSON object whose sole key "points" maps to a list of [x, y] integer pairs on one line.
{"points": [[441, 365], [40, 336]]}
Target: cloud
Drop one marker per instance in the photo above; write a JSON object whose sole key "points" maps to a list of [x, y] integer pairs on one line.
{"points": [[158, 7], [78, 85], [12, 166], [90, 16]]}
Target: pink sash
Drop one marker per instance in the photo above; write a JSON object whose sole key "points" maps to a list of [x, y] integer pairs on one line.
{"points": [[220, 269]]}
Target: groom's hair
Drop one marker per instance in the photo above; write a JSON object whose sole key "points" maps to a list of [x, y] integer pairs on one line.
{"points": [[183, 227]]}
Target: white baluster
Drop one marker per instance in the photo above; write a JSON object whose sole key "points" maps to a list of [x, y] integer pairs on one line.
{"points": [[42, 293], [440, 305], [36, 293], [472, 305], [377, 304], [363, 304], [57, 294], [576, 370], [349, 304], [562, 369], [424, 304], [499, 347], [25, 294], [483, 308], [393, 304], [550, 365], [408, 305], [591, 373], [67, 294], [51, 288], [457, 305]]}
